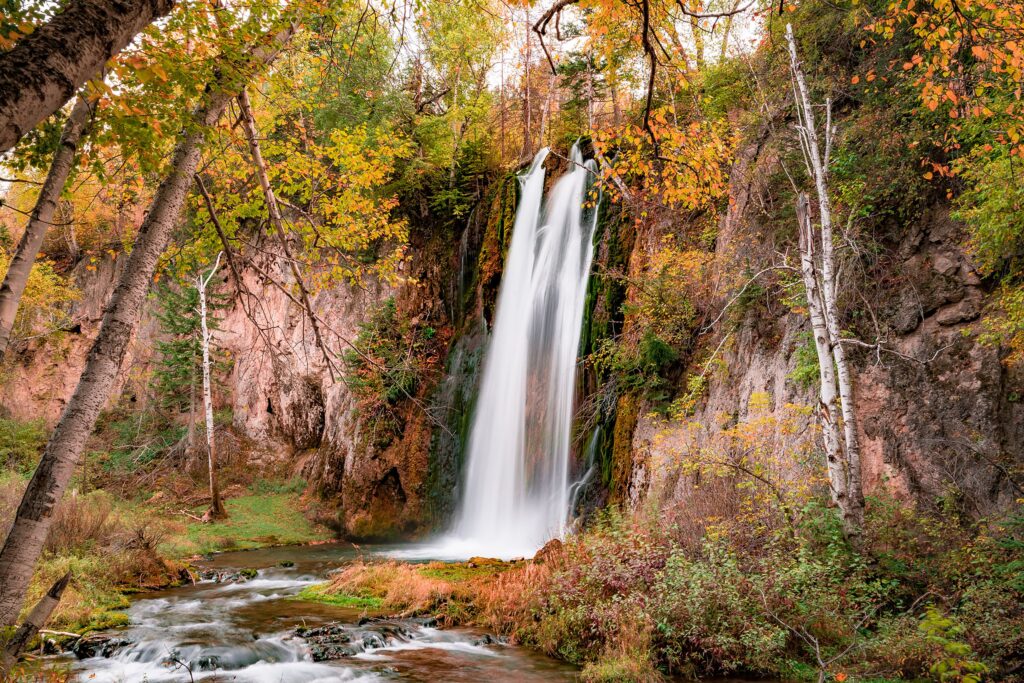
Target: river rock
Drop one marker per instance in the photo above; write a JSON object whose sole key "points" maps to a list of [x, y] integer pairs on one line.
{"points": [[488, 639], [328, 643], [98, 645]]}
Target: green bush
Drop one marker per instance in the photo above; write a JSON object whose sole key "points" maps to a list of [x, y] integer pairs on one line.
{"points": [[21, 444], [387, 366]]}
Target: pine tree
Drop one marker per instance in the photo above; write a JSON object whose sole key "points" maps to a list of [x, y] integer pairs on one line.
{"points": [[179, 367], [177, 381]]}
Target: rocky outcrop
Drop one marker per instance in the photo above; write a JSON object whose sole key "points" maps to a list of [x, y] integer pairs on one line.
{"points": [[285, 397], [940, 417]]}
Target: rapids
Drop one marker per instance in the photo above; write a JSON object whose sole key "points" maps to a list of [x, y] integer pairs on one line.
{"points": [[245, 632]]}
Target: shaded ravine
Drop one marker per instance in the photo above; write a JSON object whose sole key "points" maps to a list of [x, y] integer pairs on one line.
{"points": [[254, 631]]}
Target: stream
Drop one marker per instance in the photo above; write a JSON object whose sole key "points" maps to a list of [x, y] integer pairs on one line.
{"points": [[247, 632]]}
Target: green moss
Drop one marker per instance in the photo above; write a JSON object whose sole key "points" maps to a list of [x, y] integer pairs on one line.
{"points": [[21, 443], [618, 470], [497, 238], [319, 594], [459, 572], [253, 521], [101, 621]]}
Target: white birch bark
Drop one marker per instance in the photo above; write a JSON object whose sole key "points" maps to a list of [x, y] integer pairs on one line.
{"points": [[828, 392], [816, 156], [216, 506]]}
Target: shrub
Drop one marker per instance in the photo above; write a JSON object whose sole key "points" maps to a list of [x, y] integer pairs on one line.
{"points": [[79, 522], [391, 357], [21, 444]]}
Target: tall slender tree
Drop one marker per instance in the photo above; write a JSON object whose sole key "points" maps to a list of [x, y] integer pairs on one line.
{"points": [[32, 520], [216, 510], [42, 216], [817, 264]]}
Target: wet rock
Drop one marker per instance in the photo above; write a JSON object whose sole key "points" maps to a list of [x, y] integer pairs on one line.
{"points": [[328, 643], [373, 639], [388, 628], [207, 663], [285, 563], [218, 576], [98, 645], [331, 631], [336, 641], [488, 639]]}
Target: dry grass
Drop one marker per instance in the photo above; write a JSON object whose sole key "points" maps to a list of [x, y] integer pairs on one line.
{"points": [[495, 595], [81, 520], [401, 587], [507, 600]]}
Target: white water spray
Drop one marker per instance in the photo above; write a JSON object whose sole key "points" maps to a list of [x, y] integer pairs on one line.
{"points": [[516, 492]]}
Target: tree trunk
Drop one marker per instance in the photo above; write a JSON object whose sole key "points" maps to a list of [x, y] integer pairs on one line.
{"points": [[816, 155], [42, 216], [37, 618], [838, 481], [216, 510], [45, 68], [35, 513]]}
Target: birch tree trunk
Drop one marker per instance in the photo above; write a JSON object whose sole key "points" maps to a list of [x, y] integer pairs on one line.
{"points": [[828, 392], [32, 521], [816, 156], [45, 68], [42, 216], [216, 510]]}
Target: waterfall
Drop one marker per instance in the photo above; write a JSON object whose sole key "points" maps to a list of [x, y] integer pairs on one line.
{"points": [[516, 491]]}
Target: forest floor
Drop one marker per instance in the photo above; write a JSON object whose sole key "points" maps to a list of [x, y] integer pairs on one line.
{"points": [[132, 521]]}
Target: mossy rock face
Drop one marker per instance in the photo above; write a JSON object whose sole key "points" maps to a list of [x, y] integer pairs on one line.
{"points": [[622, 448], [497, 238]]}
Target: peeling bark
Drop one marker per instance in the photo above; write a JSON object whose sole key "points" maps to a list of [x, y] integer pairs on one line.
{"points": [[42, 216], [45, 68], [847, 485]]}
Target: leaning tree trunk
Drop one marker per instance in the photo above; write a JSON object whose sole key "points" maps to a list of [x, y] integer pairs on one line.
{"points": [[45, 68], [35, 513], [37, 618], [216, 510], [42, 216]]}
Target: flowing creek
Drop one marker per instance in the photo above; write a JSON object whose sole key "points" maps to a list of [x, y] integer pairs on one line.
{"points": [[248, 632]]}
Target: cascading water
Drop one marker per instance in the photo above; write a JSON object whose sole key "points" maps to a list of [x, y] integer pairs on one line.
{"points": [[516, 492]]}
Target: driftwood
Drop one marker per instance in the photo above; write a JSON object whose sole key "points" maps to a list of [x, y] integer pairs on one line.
{"points": [[38, 617]]}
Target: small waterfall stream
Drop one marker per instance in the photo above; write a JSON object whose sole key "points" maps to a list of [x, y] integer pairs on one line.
{"points": [[516, 491]]}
